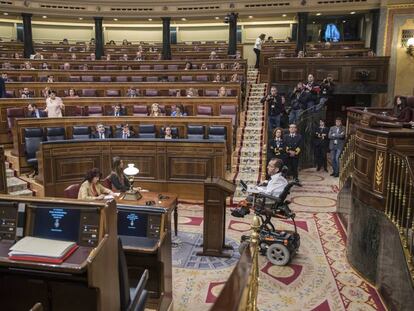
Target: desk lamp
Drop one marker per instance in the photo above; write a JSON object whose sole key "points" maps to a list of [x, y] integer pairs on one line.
{"points": [[131, 171]]}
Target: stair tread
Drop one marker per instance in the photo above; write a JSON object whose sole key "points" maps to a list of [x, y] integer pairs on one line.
{"points": [[25, 192]]}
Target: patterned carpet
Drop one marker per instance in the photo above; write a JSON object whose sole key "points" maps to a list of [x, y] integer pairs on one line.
{"points": [[319, 277]]}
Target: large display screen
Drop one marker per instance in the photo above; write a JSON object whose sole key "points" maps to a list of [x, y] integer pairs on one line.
{"points": [[132, 223], [57, 223]]}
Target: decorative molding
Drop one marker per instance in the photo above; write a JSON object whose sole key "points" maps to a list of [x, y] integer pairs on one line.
{"points": [[379, 172]]}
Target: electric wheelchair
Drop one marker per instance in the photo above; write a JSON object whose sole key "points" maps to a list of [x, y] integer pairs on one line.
{"points": [[279, 246]]}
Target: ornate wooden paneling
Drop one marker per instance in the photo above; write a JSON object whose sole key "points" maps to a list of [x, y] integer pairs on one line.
{"points": [[161, 164], [362, 75]]}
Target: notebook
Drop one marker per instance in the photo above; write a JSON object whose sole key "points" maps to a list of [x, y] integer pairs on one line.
{"points": [[42, 250]]}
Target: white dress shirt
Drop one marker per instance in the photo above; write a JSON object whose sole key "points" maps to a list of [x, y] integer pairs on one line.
{"points": [[258, 44], [275, 186]]}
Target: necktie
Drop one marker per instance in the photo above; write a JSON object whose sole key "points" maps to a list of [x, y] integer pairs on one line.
{"points": [[37, 114], [102, 136], [125, 136]]}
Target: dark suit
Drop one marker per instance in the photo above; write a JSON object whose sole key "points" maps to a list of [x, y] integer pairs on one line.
{"points": [[321, 144], [39, 114], [293, 143], [278, 149], [120, 134], [96, 135], [120, 113], [2, 88]]}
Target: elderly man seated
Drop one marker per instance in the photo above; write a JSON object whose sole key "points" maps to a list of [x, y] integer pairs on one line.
{"points": [[272, 187]]}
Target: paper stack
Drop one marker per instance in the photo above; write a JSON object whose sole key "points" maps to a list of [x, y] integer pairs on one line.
{"points": [[42, 250]]}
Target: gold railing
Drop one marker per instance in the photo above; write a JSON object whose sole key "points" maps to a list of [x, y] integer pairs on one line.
{"points": [[346, 160], [242, 287], [399, 206]]}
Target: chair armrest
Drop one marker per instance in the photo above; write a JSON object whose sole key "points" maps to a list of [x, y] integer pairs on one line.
{"points": [[139, 292]]}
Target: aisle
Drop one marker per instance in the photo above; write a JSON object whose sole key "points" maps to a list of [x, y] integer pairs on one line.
{"points": [[318, 278]]}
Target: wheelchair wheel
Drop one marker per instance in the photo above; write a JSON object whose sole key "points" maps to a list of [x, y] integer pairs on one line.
{"points": [[278, 254], [243, 246]]}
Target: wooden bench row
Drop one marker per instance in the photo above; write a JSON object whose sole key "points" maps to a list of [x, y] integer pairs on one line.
{"points": [[68, 123], [11, 109], [101, 89], [12, 63], [122, 76]]}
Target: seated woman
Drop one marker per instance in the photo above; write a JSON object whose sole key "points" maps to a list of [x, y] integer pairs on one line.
{"points": [[91, 189], [117, 177], [168, 133], [188, 66], [222, 92], [401, 111], [155, 110], [178, 111]]}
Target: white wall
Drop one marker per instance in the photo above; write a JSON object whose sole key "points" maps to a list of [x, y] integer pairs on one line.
{"points": [[7, 31], [133, 34], [56, 33], [203, 33], [277, 31]]}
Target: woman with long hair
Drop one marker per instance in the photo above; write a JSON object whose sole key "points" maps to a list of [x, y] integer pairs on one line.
{"points": [[117, 177], [91, 188]]}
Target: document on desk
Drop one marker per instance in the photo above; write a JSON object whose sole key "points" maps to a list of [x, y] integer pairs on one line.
{"points": [[42, 250]]}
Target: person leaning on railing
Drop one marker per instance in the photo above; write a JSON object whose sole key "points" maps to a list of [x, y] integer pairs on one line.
{"points": [[401, 111]]}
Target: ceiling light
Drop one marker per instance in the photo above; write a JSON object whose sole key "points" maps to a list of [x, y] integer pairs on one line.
{"points": [[115, 19], [284, 15], [318, 14], [44, 16], [250, 16], [313, 22], [150, 19], [217, 17], [183, 19], [343, 21], [5, 13], [352, 13], [80, 18]]}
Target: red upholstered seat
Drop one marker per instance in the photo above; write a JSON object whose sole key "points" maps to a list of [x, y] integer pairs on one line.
{"points": [[137, 79], [410, 101], [111, 67], [98, 67], [158, 67], [171, 78], [186, 78], [201, 78], [121, 79], [13, 113], [172, 67], [113, 93], [151, 93], [140, 110], [74, 79], [10, 93], [211, 92], [145, 67], [87, 78], [107, 183], [228, 110], [95, 111], [204, 110], [72, 191], [25, 78], [152, 79], [106, 79], [89, 92]]}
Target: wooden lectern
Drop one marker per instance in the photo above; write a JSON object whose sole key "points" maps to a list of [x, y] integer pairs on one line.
{"points": [[216, 190]]}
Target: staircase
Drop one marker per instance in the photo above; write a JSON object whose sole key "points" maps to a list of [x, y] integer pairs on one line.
{"points": [[15, 185], [250, 145]]}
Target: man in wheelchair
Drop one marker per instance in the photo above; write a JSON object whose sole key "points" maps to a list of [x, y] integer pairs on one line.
{"points": [[270, 189]]}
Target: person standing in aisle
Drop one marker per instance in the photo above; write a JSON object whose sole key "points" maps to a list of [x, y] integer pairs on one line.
{"points": [[293, 142], [321, 144], [258, 47], [336, 144]]}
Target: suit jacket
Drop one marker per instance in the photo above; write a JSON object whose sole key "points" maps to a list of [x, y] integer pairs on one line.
{"points": [[293, 144], [2, 88], [322, 142], [32, 114], [96, 135], [118, 134], [336, 137], [121, 113]]}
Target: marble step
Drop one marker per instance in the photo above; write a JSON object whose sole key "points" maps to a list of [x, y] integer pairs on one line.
{"points": [[15, 184], [9, 172]]}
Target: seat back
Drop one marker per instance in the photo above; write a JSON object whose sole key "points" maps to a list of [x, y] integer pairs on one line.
{"points": [[195, 132], [89, 92], [159, 67], [74, 79], [113, 93], [72, 191], [13, 113], [186, 78], [81, 132], [217, 132], [144, 67], [105, 79], [26, 79], [98, 67], [87, 78], [151, 92], [146, 131], [121, 79], [140, 110], [55, 133], [33, 136], [172, 67], [95, 111], [202, 78], [211, 92], [228, 110], [204, 110], [152, 79]]}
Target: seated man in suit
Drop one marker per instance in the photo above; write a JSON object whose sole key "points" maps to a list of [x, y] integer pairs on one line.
{"points": [[273, 187], [100, 132], [117, 111], [125, 133], [34, 112]]}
